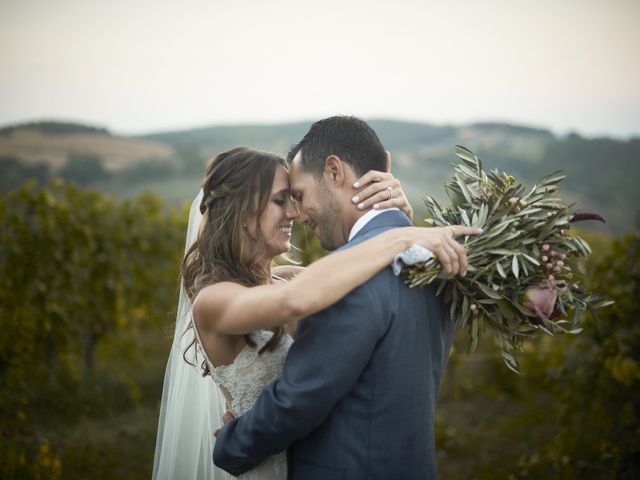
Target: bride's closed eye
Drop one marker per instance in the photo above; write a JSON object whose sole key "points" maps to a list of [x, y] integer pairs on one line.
{"points": [[281, 200]]}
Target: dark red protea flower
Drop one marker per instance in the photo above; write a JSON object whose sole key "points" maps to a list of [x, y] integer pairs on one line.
{"points": [[540, 300], [580, 217]]}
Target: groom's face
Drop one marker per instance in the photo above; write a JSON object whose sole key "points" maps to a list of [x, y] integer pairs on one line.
{"points": [[319, 209]]}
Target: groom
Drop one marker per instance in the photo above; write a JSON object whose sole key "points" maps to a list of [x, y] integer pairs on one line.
{"points": [[358, 392]]}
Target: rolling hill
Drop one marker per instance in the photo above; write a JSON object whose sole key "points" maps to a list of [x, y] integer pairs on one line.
{"points": [[52, 144]]}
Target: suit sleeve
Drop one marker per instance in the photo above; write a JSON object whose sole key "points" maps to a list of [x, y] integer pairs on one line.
{"points": [[330, 352]]}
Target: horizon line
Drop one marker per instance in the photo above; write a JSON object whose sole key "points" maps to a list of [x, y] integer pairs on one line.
{"points": [[257, 123]]}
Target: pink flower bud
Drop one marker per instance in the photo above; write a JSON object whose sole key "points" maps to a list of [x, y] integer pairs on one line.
{"points": [[540, 300], [513, 200], [560, 263], [546, 247], [549, 266], [518, 209], [545, 258], [526, 217], [563, 256], [551, 278], [557, 269], [553, 253], [473, 307]]}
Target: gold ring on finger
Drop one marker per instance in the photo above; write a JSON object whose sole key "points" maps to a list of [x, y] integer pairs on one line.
{"points": [[389, 191]]}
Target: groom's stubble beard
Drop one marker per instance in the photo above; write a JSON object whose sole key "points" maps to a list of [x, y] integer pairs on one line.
{"points": [[329, 221]]}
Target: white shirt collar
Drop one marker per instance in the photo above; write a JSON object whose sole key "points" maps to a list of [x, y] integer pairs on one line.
{"points": [[366, 218]]}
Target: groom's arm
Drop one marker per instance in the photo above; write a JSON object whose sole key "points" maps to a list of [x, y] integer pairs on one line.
{"points": [[331, 349]]}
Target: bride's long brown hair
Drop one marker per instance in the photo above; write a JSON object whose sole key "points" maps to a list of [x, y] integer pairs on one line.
{"points": [[236, 190]]}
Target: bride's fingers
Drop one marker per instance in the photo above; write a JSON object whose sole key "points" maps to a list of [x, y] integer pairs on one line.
{"points": [[441, 251], [451, 255], [372, 176], [383, 195], [398, 202], [381, 190], [453, 258], [460, 251], [378, 193], [227, 417], [369, 190], [461, 230], [460, 254]]}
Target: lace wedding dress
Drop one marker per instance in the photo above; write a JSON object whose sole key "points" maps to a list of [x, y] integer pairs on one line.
{"points": [[241, 384]]}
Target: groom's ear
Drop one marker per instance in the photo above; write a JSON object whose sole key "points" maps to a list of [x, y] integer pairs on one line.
{"points": [[334, 171]]}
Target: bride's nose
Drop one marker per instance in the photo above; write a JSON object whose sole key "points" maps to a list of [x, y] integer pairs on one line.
{"points": [[292, 212]]}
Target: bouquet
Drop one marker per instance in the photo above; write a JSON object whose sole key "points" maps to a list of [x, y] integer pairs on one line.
{"points": [[520, 280]]}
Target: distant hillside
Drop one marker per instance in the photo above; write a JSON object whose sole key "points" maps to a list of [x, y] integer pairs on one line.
{"points": [[210, 140], [82, 154], [54, 128], [602, 173], [52, 144]]}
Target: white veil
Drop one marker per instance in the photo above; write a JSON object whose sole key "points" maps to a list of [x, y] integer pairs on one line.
{"points": [[192, 405]]}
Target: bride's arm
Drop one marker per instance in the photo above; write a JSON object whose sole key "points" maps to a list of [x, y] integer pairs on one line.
{"points": [[232, 309]]}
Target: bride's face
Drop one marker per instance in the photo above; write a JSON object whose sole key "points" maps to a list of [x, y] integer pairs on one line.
{"points": [[277, 219]]}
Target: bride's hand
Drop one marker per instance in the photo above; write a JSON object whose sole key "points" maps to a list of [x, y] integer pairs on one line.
{"points": [[380, 190], [439, 240], [227, 417]]}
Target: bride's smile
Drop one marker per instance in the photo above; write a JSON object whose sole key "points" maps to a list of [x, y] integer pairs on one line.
{"points": [[277, 220]]}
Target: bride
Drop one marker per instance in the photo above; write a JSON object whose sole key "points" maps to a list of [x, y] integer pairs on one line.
{"points": [[237, 312]]}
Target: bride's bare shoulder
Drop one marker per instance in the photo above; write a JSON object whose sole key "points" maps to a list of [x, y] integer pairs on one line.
{"points": [[211, 301]]}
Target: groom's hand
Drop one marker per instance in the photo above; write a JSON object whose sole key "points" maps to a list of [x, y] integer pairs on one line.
{"points": [[227, 417]]}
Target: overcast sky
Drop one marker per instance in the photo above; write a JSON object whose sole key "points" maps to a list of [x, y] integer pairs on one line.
{"points": [[136, 66]]}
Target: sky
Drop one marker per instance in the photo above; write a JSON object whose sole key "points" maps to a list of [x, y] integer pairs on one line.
{"points": [[138, 66]]}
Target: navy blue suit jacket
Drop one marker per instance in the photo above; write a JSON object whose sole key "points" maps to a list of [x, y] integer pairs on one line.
{"points": [[358, 391]]}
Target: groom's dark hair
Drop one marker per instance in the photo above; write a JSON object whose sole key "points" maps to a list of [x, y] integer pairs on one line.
{"points": [[350, 138]]}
